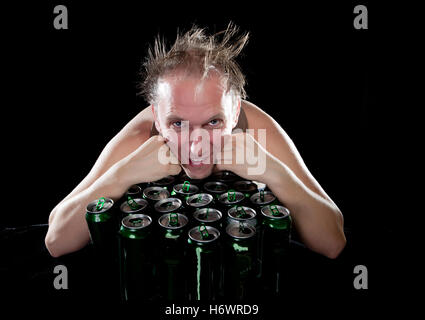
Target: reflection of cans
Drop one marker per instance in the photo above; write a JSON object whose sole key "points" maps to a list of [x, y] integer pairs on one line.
{"points": [[133, 206], [224, 176], [231, 199], [216, 188], [204, 263], [208, 216], [168, 205], [165, 182], [136, 258], [248, 188], [184, 190], [102, 224], [154, 194], [263, 198], [275, 239], [134, 191], [199, 200], [171, 273], [240, 262], [242, 214]]}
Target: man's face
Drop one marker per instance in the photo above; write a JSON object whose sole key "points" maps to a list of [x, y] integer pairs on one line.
{"points": [[193, 115]]}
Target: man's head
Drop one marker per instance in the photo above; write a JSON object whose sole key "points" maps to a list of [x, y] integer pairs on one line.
{"points": [[195, 90]]}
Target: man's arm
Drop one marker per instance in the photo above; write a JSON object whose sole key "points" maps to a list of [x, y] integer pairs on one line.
{"points": [[117, 168], [317, 219]]}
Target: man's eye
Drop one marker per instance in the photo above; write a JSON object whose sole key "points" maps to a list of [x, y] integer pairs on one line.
{"points": [[214, 122], [177, 124]]}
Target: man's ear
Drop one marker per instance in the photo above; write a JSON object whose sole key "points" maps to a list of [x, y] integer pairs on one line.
{"points": [[156, 119], [237, 113]]}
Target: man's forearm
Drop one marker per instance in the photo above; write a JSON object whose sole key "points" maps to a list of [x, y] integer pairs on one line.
{"points": [[68, 229], [318, 221]]}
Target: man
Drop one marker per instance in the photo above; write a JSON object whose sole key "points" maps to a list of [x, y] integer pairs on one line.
{"points": [[196, 92]]}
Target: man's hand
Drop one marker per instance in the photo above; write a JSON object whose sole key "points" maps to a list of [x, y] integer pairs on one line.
{"points": [[144, 164], [244, 156]]}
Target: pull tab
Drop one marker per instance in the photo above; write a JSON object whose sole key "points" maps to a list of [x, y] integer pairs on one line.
{"points": [[240, 212], [231, 195], [100, 203], [262, 195], [173, 219], [206, 215], [275, 210], [132, 204], [186, 186], [137, 222], [199, 198], [204, 233]]}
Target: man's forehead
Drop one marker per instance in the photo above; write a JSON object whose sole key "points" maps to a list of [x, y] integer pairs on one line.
{"points": [[191, 90]]}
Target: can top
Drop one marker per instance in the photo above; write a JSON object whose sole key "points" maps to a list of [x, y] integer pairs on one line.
{"points": [[141, 204], [168, 205], [262, 197], [156, 193], [231, 197], [207, 215], [196, 234], [164, 181], [240, 231], [100, 205], [245, 186], [134, 189], [173, 221], [224, 176], [275, 212], [185, 188], [241, 213], [199, 200], [216, 187], [136, 221]]}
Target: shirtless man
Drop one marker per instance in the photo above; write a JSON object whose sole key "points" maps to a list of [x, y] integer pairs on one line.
{"points": [[198, 87]]}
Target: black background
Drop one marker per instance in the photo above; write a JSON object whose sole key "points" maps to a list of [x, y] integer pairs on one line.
{"points": [[66, 93]]}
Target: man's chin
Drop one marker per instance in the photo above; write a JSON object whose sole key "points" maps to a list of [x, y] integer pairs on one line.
{"points": [[198, 172]]}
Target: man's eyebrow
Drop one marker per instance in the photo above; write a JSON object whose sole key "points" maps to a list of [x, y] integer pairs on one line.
{"points": [[218, 115], [173, 118]]}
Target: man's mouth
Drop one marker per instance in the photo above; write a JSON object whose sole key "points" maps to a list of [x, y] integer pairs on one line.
{"points": [[197, 162]]}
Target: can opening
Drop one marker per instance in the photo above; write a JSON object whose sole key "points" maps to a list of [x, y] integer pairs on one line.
{"points": [[137, 222]]}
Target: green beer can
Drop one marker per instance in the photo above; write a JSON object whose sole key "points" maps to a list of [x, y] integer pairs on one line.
{"points": [[198, 201], [171, 256], [248, 188], [231, 199], [216, 188], [263, 198], [276, 234], [133, 206], [102, 223], [240, 250], [184, 190], [208, 216], [154, 193], [137, 269], [204, 264]]}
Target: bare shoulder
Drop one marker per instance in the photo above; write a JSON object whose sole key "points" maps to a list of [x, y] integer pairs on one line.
{"points": [[257, 118], [280, 145]]}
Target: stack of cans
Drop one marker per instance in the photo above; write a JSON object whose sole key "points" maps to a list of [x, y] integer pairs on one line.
{"points": [[223, 237]]}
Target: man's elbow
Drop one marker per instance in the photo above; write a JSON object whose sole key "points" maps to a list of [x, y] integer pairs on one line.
{"points": [[51, 242], [335, 250]]}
